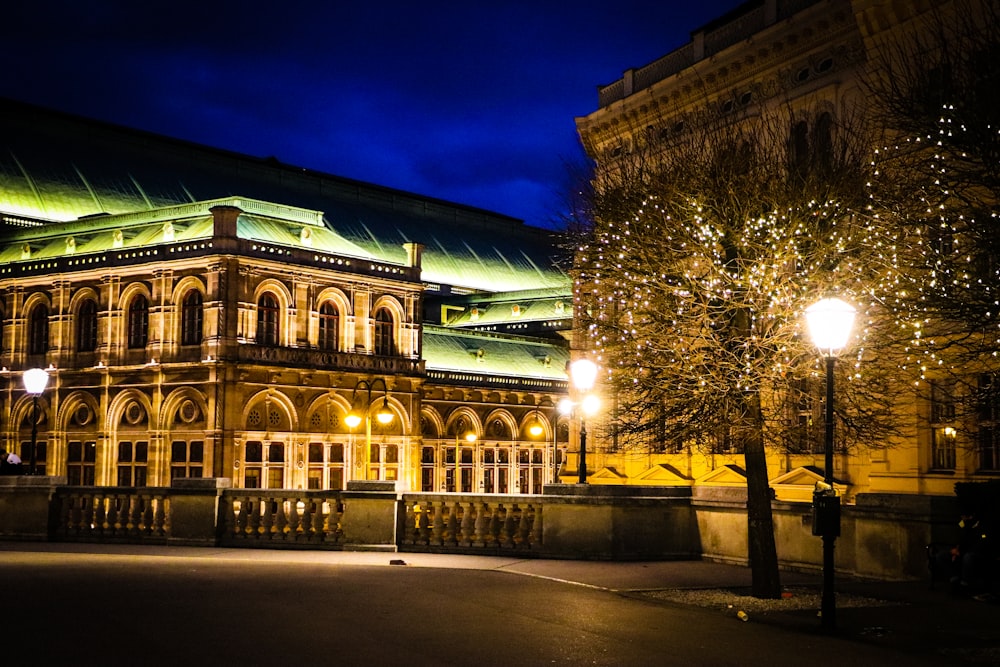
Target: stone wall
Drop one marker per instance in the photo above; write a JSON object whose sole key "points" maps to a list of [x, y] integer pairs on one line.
{"points": [[618, 522], [883, 536]]}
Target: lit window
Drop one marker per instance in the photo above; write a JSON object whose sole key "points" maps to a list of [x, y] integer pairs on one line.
{"points": [[943, 434]]}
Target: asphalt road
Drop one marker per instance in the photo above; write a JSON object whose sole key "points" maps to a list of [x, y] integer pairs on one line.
{"points": [[211, 607]]}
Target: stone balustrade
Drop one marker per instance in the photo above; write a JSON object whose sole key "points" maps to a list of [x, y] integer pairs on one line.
{"points": [[251, 517], [94, 513], [471, 523], [882, 534]]}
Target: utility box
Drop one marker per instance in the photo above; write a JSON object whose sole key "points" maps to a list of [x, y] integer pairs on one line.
{"points": [[826, 514]]}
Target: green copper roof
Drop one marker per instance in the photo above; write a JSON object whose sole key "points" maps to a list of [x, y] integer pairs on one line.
{"points": [[526, 309], [269, 224], [493, 354], [62, 168]]}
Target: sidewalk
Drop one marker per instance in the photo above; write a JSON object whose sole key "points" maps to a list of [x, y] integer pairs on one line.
{"points": [[907, 616], [925, 620]]}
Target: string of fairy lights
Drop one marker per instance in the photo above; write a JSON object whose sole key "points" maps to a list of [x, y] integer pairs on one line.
{"points": [[663, 288]]}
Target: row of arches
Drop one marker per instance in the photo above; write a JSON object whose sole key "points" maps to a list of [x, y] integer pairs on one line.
{"points": [[129, 321], [272, 410], [86, 323], [133, 440]]}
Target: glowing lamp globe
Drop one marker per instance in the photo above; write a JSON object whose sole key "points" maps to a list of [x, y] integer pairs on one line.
{"points": [[35, 380], [383, 416], [830, 322], [565, 406], [583, 373]]}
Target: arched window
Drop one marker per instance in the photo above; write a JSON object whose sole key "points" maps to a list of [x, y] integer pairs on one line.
{"points": [[38, 330], [86, 326], [823, 142], [329, 327], [191, 318], [138, 322], [267, 319], [385, 344], [798, 148]]}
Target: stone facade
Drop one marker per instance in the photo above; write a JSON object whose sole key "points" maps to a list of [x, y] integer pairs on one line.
{"points": [[807, 60], [231, 338]]}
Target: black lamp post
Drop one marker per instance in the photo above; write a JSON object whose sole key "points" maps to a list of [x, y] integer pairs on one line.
{"points": [[830, 322], [583, 373], [565, 409], [35, 380], [384, 415]]}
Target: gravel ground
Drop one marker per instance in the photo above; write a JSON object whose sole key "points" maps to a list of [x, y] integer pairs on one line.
{"points": [[792, 599]]}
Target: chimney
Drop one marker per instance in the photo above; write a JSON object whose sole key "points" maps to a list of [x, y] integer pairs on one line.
{"points": [[224, 221], [414, 252]]}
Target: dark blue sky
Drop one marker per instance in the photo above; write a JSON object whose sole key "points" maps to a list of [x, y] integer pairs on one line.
{"points": [[467, 101]]}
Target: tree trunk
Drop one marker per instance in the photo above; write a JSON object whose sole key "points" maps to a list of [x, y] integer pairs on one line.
{"points": [[766, 582]]}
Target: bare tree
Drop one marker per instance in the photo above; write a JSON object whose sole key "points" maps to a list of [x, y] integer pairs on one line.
{"points": [[693, 275], [938, 185]]}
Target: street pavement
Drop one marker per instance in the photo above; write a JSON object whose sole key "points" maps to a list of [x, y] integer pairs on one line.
{"points": [[108, 605]]}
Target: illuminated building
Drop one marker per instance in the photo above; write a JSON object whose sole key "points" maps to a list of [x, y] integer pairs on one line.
{"points": [[809, 60], [208, 314]]}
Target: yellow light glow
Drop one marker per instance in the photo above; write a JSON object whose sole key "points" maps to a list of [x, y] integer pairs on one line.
{"points": [[384, 416], [830, 322], [352, 420], [583, 373], [565, 406], [35, 380]]}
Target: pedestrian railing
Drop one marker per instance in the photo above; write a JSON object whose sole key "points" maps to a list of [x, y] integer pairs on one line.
{"points": [[253, 517], [112, 513], [471, 523], [574, 521]]}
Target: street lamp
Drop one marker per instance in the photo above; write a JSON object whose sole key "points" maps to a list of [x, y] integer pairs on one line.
{"points": [[583, 373], [470, 437], [536, 428], [830, 321], [35, 380], [383, 415], [565, 409]]}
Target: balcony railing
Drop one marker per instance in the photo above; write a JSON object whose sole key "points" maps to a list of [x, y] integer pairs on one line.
{"points": [[320, 359]]}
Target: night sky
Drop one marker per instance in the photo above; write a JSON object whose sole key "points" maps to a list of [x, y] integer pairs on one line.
{"points": [[468, 101]]}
